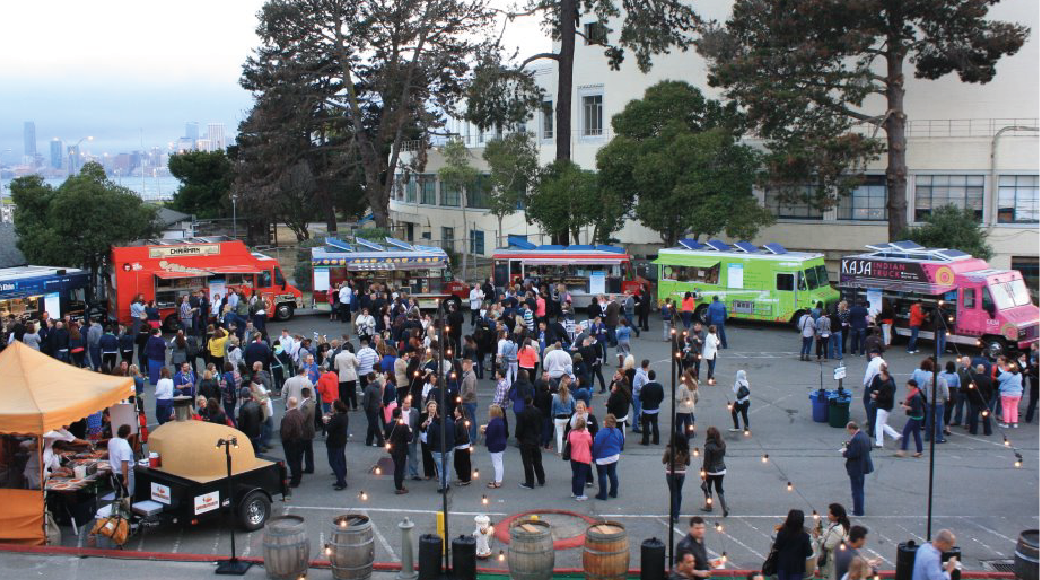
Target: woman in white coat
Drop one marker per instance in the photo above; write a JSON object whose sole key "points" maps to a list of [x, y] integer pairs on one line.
{"points": [[710, 351]]}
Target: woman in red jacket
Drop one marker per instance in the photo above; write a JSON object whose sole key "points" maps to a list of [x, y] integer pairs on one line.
{"points": [[581, 459]]}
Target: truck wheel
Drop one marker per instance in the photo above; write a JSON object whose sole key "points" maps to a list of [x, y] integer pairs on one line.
{"points": [[701, 314], [994, 345], [254, 511], [171, 324], [283, 312]]}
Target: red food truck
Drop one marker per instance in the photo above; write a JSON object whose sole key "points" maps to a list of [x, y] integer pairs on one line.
{"points": [[984, 306], [165, 270]]}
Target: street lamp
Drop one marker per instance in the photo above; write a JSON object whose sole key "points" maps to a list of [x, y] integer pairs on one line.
{"points": [[234, 566], [234, 213]]}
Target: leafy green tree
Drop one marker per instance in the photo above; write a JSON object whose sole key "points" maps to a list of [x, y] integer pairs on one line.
{"points": [[646, 29], [952, 227], [513, 162], [205, 183], [675, 159], [459, 175], [77, 223], [807, 71], [559, 201]]}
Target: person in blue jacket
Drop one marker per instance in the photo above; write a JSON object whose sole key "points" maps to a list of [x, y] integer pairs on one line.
{"points": [[606, 452], [717, 316]]}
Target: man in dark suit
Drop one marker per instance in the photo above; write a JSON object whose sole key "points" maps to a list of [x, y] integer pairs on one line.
{"points": [[529, 436], [857, 464]]}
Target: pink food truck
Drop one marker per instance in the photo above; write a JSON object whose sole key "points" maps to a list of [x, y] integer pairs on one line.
{"points": [[984, 306]]}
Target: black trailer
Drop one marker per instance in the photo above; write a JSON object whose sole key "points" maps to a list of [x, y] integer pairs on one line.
{"points": [[185, 500]]}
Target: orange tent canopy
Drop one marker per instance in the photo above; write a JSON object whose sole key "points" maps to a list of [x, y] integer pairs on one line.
{"points": [[39, 393]]}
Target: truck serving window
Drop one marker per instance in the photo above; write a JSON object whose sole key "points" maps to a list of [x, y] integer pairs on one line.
{"points": [[785, 282], [698, 274]]}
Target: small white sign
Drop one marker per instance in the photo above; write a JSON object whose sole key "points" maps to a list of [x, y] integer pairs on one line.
{"points": [[597, 283], [207, 502], [161, 493], [840, 372]]}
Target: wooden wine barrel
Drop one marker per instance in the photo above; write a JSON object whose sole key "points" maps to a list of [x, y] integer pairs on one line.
{"points": [[531, 555], [606, 552], [1026, 559], [286, 549], [353, 547]]}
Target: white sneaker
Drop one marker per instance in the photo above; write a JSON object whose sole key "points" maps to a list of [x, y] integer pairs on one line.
{"points": [[582, 498], [897, 436]]}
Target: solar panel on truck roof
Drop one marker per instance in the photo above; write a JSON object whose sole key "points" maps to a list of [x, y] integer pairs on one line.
{"points": [[776, 249], [690, 244], [746, 247], [881, 247], [370, 245], [950, 253], [399, 244], [338, 244], [719, 245], [907, 245], [611, 249]]}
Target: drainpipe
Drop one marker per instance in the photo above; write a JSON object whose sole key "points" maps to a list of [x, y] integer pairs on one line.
{"points": [[993, 185]]}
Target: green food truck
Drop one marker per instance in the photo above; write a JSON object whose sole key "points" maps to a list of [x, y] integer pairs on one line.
{"points": [[756, 283]]}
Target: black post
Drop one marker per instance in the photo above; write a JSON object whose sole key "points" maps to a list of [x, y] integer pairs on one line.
{"points": [[234, 566], [931, 425], [442, 409], [674, 437]]}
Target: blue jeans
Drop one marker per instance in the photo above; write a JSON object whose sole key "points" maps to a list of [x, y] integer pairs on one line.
{"points": [[606, 473], [721, 329], [547, 431], [683, 424], [675, 483], [859, 341], [912, 345], [807, 342], [580, 474], [941, 338], [338, 463], [444, 464], [470, 409], [638, 406], [711, 368], [912, 427], [940, 410], [858, 497], [835, 348], [957, 403], [413, 457]]}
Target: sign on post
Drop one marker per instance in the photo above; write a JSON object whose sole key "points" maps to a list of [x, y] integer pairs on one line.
{"points": [[840, 373]]}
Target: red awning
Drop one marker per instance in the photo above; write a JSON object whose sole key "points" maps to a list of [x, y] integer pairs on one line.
{"points": [[177, 275]]}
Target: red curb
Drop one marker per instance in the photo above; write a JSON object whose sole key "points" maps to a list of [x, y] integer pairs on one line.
{"points": [[379, 566], [502, 528]]}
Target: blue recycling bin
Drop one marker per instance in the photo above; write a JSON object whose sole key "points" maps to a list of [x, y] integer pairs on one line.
{"points": [[820, 405]]}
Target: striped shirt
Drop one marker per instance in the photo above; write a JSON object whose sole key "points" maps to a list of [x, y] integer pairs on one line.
{"points": [[366, 359]]}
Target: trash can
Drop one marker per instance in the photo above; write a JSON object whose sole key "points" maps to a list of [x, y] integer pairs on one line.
{"points": [[839, 410], [819, 405]]}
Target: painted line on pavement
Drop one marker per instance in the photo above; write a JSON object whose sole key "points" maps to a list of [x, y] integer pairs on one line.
{"points": [[382, 539]]}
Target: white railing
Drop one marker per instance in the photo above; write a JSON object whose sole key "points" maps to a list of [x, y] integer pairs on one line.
{"points": [[946, 128]]}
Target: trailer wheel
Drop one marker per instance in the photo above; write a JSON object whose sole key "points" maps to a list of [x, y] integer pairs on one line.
{"points": [[254, 511], [283, 312], [701, 314], [994, 345]]}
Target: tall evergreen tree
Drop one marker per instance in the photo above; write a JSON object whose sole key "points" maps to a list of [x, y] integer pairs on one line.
{"points": [[806, 72]]}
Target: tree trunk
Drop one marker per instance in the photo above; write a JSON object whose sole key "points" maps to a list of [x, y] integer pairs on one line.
{"points": [[568, 14], [895, 131]]}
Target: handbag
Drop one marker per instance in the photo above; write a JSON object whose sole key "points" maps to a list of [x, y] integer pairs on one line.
{"points": [[566, 455], [770, 567]]}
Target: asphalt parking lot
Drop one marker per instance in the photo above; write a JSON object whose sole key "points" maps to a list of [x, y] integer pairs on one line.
{"points": [[978, 491]]}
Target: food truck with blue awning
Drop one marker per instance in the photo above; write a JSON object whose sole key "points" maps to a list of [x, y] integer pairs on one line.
{"points": [[421, 272], [32, 290]]}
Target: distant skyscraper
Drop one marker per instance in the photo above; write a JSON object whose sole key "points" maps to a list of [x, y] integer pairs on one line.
{"points": [[56, 153], [191, 131], [185, 144], [215, 134], [204, 145], [73, 159], [30, 139]]}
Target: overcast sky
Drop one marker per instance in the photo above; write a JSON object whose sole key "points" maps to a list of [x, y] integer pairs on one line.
{"points": [[124, 71]]}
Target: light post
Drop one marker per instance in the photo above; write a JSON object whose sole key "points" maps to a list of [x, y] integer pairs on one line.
{"points": [[940, 318], [234, 213], [672, 514], [73, 164], [234, 566]]}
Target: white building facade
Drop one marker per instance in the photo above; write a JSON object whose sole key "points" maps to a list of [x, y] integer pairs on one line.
{"points": [[975, 146]]}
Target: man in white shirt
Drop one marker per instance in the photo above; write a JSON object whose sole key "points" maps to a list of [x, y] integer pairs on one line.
{"points": [[232, 300], [121, 456], [51, 461], [366, 362], [345, 296], [557, 362], [873, 368], [476, 300], [346, 364], [294, 386]]}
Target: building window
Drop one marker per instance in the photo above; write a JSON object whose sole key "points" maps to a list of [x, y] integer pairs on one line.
{"points": [[476, 197], [592, 106], [411, 188], [547, 119], [595, 33], [866, 202], [476, 241], [935, 191], [1018, 199], [450, 195], [794, 204], [428, 189], [448, 238], [1029, 267]]}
